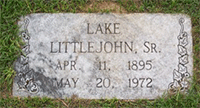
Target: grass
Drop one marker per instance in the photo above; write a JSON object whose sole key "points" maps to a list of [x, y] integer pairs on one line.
{"points": [[10, 47]]}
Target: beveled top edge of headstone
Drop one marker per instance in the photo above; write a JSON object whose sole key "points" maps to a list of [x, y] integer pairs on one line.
{"points": [[172, 14]]}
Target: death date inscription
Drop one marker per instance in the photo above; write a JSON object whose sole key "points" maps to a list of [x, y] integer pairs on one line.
{"points": [[104, 82]]}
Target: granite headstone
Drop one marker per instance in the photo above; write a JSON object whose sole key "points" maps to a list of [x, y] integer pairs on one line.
{"points": [[95, 56]]}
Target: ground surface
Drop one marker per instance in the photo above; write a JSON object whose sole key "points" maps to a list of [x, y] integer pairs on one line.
{"points": [[10, 47]]}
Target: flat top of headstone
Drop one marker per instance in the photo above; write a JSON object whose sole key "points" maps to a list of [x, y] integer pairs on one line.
{"points": [[94, 56]]}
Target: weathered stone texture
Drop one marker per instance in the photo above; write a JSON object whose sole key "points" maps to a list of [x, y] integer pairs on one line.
{"points": [[94, 56]]}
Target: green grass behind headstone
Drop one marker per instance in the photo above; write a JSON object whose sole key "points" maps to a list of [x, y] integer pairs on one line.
{"points": [[10, 47]]}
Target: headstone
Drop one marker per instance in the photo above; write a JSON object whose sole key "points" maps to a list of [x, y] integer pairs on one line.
{"points": [[95, 56]]}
